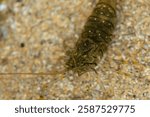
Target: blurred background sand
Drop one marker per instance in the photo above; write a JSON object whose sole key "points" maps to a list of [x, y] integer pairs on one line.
{"points": [[35, 34]]}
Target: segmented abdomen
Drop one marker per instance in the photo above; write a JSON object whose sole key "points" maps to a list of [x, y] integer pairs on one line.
{"points": [[95, 37]]}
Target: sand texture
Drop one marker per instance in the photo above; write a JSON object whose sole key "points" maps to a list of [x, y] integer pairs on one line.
{"points": [[35, 34]]}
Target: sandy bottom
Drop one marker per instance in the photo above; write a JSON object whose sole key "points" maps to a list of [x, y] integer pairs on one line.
{"points": [[35, 34]]}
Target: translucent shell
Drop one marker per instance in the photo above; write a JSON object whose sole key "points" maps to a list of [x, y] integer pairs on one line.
{"points": [[94, 39]]}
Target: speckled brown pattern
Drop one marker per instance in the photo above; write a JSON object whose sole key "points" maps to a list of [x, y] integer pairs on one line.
{"points": [[94, 39], [39, 32]]}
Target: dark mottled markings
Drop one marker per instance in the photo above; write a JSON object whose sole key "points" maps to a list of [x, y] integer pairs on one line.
{"points": [[94, 39]]}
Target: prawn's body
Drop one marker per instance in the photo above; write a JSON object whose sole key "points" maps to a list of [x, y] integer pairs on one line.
{"points": [[94, 39]]}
